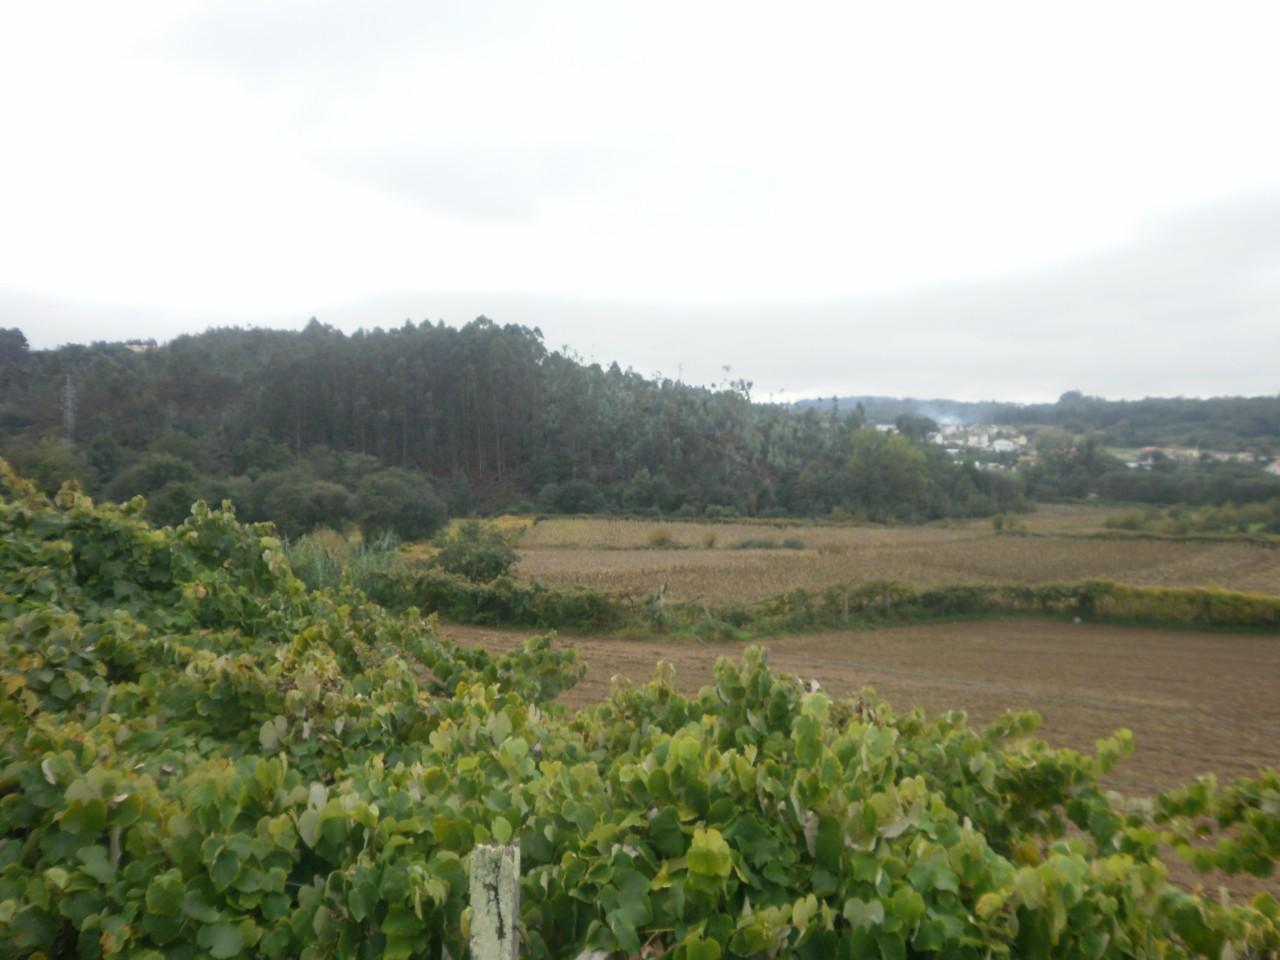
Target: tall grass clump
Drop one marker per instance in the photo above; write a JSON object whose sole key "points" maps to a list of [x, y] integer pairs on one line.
{"points": [[326, 559]]}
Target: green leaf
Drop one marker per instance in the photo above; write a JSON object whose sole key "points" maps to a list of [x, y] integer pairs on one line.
{"points": [[664, 830], [709, 854], [989, 904], [699, 949], [829, 843], [401, 923], [197, 907], [162, 929], [907, 906], [225, 868], [86, 817], [933, 872], [222, 940], [273, 733], [863, 914], [165, 894], [892, 946], [95, 863], [309, 827], [501, 830]]}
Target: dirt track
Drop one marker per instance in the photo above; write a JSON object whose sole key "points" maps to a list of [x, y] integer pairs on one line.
{"points": [[1196, 702]]}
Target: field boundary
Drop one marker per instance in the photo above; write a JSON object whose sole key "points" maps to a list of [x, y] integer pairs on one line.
{"points": [[506, 602], [1247, 539]]}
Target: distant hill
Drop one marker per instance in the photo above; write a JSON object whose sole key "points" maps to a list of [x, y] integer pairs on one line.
{"points": [[888, 409], [1216, 423]]}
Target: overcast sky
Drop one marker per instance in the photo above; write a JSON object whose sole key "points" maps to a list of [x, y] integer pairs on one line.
{"points": [[971, 200]]}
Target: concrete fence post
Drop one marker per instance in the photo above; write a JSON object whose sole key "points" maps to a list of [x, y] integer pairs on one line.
{"points": [[495, 902]]}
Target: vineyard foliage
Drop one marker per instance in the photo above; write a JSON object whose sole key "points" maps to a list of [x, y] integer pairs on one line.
{"points": [[200, 758]]}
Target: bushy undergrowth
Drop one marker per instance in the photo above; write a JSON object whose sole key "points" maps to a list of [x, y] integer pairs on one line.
{"points": [[1256, 519], [201, 758], [501, 602], [1096, 600]]}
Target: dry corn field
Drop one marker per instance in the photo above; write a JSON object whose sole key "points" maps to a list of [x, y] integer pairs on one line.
{"points": [[635, 556]]}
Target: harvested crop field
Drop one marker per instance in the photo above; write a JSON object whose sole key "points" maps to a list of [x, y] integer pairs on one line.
{"points": [[708, 559]]}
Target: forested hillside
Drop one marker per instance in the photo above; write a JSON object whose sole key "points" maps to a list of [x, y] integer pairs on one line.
{"points": [[298, 426], [397, 429]]}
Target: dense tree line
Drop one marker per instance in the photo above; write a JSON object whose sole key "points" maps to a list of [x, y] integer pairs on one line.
{"points": [[311, 426], [397, 429]]}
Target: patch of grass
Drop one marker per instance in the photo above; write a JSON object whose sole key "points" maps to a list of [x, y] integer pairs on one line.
{"points": [[768, 543]]}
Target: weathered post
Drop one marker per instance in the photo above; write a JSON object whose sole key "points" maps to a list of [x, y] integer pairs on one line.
{"points": [[495, 902]]}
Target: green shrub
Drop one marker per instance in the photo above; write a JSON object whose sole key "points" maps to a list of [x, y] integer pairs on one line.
{"points": [[399, 501], [503, 602], [171, 504], [475, 552], [151, 473]]}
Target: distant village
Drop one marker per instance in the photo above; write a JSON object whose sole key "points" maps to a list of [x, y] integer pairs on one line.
{"points": [[992, 447]]}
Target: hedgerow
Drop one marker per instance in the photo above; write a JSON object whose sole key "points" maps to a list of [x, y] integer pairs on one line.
{"points": [[199, 758], [516, 603]]}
